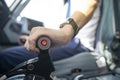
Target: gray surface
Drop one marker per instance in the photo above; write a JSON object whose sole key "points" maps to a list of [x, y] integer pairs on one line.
{"points": [[84, 61]]}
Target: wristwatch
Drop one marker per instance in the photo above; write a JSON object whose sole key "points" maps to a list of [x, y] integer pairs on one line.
{"points": [[73, 24]]}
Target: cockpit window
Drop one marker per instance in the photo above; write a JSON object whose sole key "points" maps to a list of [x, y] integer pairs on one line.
{"points": [[9, 2], [12, 4]]}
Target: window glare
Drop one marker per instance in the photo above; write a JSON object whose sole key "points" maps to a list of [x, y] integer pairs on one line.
{"points": [[48, 11], [9, 2]]}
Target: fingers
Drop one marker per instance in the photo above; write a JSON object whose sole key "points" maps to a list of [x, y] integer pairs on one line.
{"points": [[30, 43]]}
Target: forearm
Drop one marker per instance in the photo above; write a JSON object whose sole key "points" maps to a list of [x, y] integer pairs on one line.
{"points": [[60, 36], [81, 15], [83, 11]]}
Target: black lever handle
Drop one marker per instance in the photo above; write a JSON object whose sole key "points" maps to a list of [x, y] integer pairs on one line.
{"points": [[44, 63]]}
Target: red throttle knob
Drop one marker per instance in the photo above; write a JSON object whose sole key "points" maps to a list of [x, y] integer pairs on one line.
{"points": [[44, 43]]}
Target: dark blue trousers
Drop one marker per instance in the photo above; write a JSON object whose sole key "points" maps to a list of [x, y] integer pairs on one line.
{"points": [[11, 57]]}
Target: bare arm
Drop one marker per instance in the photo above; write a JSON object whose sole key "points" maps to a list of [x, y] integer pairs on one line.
{"points": [[81, 16]]}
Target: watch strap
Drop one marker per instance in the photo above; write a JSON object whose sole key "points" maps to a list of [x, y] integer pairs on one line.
{"points": [[73, 23]]}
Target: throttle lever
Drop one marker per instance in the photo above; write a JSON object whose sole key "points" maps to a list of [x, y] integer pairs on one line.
{"points": [[45, 63]]}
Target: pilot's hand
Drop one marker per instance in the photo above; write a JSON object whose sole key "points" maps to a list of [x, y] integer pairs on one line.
{"points": [[58, 37]]}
